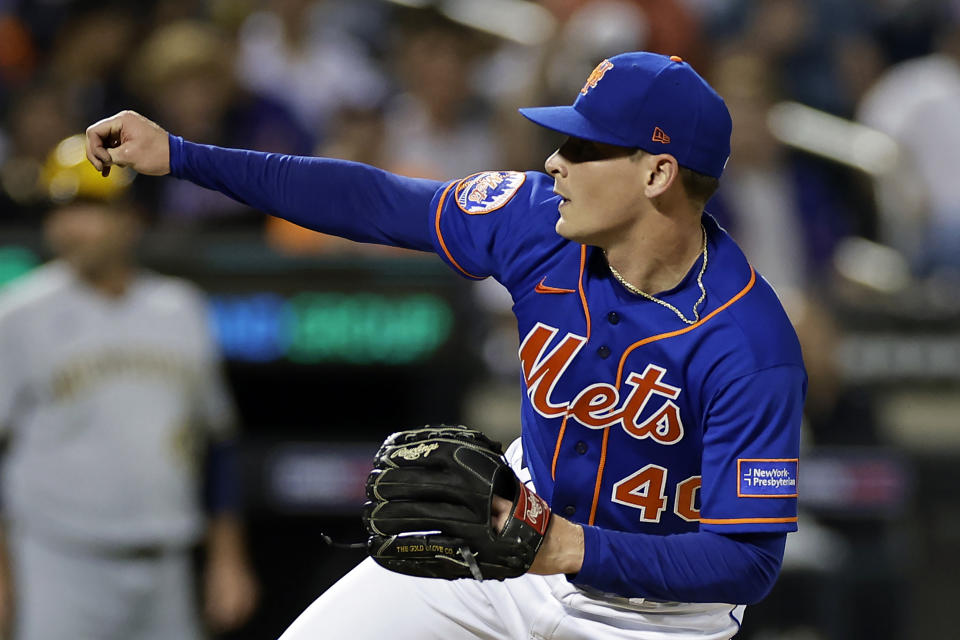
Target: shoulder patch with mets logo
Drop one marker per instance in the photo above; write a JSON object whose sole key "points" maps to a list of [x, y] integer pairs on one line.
{"points": [[487, 191]]}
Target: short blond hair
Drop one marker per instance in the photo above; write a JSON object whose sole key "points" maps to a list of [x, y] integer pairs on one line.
{"points": [[699, 187]]}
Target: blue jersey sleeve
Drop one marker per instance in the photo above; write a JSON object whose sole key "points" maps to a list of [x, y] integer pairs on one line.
{"points": [[496, 223], [684, 567], [751, 445], [346, 199], [482, 225]]}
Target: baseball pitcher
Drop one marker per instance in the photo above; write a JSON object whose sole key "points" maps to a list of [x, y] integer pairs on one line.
{"points": [[655, 480]]}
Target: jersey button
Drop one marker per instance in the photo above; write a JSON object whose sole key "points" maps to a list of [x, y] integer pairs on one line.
{"points": [[569, 510], [604, 351], [613, 317], [581, 447]]}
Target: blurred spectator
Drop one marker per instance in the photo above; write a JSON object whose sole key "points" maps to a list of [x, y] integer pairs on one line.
{"points": [[783, 208], [592, 30], [295, 52], [111, 400], [18, 56], [822, 50], [44, 19], [439, 126], [85, 63], [184, 72], [917, 102], [38, 119]]}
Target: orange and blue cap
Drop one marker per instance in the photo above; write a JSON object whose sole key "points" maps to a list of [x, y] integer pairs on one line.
{"points": [[648, 101]]}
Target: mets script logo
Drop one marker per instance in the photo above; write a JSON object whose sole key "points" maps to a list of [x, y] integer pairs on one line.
{"points": [[598, 406], [487, 191], [596, 75]]}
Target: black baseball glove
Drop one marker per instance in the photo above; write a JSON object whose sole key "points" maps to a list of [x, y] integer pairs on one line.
{"points": [[429, 508]]}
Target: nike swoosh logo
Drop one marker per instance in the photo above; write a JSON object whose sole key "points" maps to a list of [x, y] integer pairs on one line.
{"points": [[543, 288]]}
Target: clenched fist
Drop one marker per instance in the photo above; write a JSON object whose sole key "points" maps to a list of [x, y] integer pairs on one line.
{"points": [[128, 140]]}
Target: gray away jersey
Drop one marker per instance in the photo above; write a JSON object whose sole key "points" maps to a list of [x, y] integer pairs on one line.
{"points": [[106, 403]]}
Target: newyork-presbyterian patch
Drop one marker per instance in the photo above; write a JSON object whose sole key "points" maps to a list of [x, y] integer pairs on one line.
{"points": [[767, 478], [487, 191]]}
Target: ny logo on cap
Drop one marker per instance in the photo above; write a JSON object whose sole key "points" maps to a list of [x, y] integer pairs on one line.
{"points": [[596, 75]]}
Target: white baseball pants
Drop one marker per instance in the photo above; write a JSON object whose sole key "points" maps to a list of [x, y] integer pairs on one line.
{"points": [[372, 603]]}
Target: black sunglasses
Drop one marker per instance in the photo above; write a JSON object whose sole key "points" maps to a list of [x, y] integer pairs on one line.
{"points": [[580, 150]]}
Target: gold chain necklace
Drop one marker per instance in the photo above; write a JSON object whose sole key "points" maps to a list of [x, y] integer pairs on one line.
{"points": [[703, 292]]}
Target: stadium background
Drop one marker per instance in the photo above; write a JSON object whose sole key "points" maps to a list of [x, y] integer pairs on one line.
{"points": [[839, 188]]}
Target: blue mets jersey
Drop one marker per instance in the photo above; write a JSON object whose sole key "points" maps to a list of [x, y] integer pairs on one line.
{"points": [[633, 421]]}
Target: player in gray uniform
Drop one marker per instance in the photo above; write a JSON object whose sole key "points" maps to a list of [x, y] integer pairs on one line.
{"points": [[110, 395]]}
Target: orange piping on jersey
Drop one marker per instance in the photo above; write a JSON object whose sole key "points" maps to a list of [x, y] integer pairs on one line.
{"points": [[596, 487], [556, 451], [444, 244], [583, 297], [671, 334], [745, 520]]}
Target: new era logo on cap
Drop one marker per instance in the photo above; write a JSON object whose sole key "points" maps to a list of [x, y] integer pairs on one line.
{"points": [[634, 99], [659, 135]]}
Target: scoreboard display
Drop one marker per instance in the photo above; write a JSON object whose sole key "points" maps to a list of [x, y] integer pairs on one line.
{"points": [[324, 327], [398, 311]]}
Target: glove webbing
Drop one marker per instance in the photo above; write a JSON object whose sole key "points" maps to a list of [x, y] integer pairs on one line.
{"points": [[342, 545]]}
